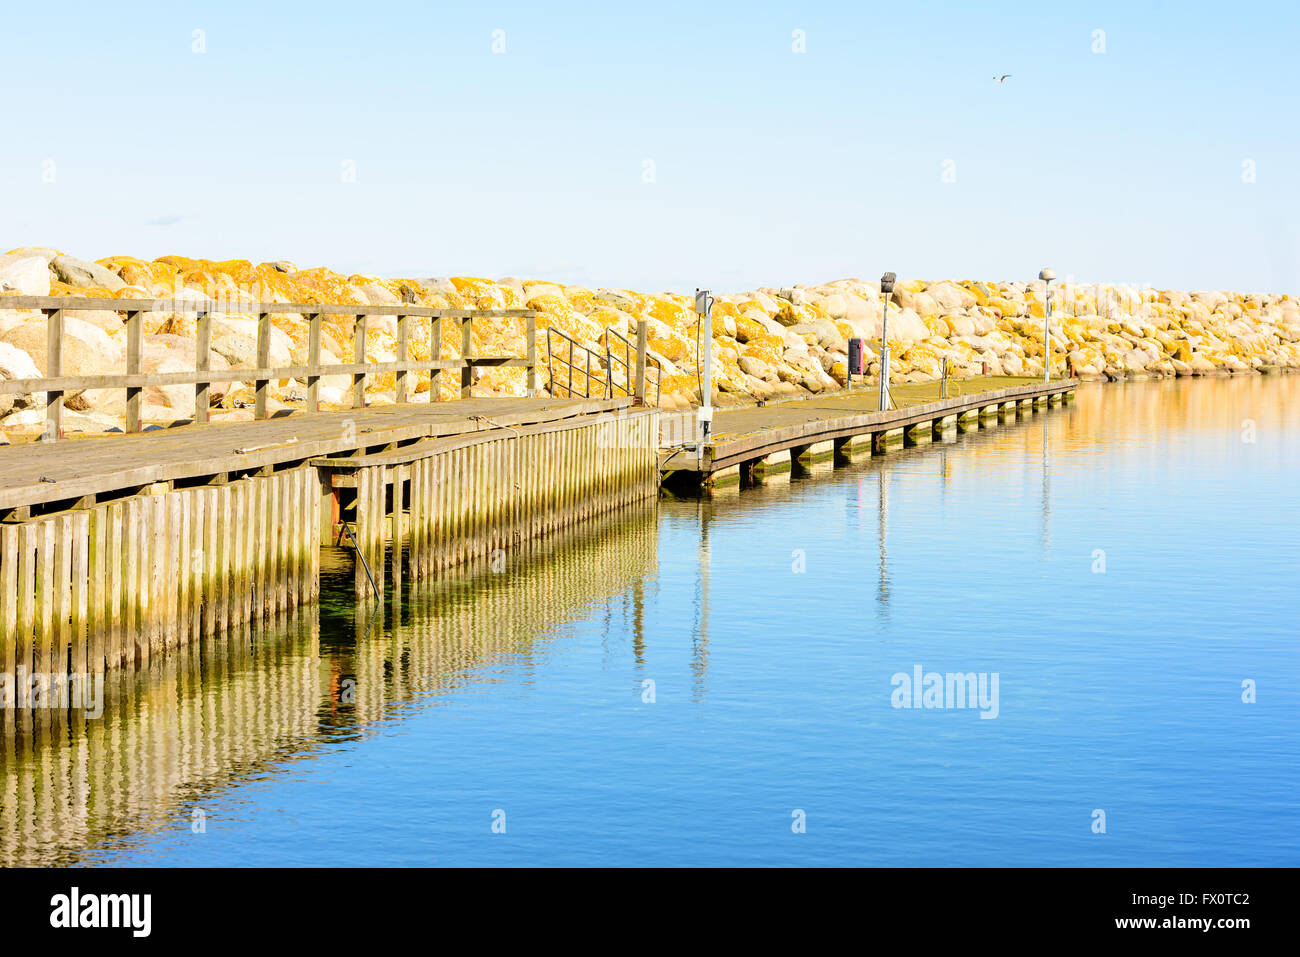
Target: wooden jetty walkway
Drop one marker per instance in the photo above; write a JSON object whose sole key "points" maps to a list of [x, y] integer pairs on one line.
{"points": [[118, 550], [745, 441]]}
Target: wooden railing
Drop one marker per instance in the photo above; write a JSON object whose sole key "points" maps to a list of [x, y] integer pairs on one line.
{"points": [[54, 384]]}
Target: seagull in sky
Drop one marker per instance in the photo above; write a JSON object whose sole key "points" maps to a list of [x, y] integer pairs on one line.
{"points": [[1002, 78]]}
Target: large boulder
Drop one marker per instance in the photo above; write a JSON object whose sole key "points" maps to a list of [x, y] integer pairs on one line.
{"points": [[44, 252], [16, 364], [951, 297], [24, 275], [906, 326], [87, 349], [85, 275], [234, 338]]}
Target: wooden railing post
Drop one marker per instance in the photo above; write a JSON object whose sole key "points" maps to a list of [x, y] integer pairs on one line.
{"points": [[466, 347], [642, 330], [202, 364], [261, 384], [399, 395], [531, 326], [359, 357], [313, 362], [435, 352], [53, 370], [134, 348]]}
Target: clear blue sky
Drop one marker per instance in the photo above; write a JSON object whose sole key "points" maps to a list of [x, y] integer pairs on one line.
{"points": [[771, 167]]}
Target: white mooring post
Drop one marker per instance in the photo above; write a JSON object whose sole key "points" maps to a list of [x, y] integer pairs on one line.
{"points": [[1047, 275]]}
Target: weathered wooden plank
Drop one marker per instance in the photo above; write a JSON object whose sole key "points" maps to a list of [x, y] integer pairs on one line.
{"points": [[114, 615], [237, 532], [46, 598], [158, 579], [196, 562], [202, 364], [306, 498], [359, 359], [171, 569], [313, 531], [466, 351], [282, 525], [223, 559], [181, 569], [54, 370], [435, 353], [313, 360], [62, 584], [134, 354], [80, 592], [399, 487], [360, 527], [415, 482], [292, 525], [9, 580], [379, 526], [256, 532], [403, 346], [211, 586], [25, 632], [267, 549], [262, 384]]}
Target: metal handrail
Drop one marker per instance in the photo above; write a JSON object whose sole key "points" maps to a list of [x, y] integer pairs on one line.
{"points": [[552, 356], [629, 350]]}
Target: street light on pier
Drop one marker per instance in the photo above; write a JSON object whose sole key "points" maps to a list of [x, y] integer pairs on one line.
{"points": [[887, 289], [1047, 275]]}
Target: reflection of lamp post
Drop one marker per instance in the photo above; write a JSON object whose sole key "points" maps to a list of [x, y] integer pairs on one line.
{"points": [[1047, 275], [886, 288]]}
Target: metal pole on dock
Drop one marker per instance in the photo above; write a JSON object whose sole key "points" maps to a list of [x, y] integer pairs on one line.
{"points": [[1047, 275], [887, 289], [704, 306]]}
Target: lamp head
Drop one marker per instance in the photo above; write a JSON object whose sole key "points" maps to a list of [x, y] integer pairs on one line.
{"points": [[1047, 275], [887, 283]]}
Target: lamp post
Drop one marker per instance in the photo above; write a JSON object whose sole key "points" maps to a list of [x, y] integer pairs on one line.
{"points": [[1047, 275], [704, 306], [887, 289]]}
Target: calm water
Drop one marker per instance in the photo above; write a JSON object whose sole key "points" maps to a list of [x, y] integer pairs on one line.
{"points": [[1122, 565]]}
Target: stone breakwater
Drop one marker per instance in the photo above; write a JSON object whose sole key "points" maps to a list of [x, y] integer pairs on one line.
{"points": [[767, 343]]}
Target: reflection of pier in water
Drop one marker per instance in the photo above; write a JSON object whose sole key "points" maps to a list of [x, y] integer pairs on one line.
{"points": [[205, 718]]}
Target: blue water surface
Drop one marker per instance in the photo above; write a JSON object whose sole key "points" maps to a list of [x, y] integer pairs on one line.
{"points": [[713, 683]]}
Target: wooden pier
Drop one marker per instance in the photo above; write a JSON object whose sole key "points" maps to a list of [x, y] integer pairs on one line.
{"points": [[118, 551], [743, 442]]}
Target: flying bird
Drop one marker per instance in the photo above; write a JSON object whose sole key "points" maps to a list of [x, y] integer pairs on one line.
{"points": [[1002, 78]]}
